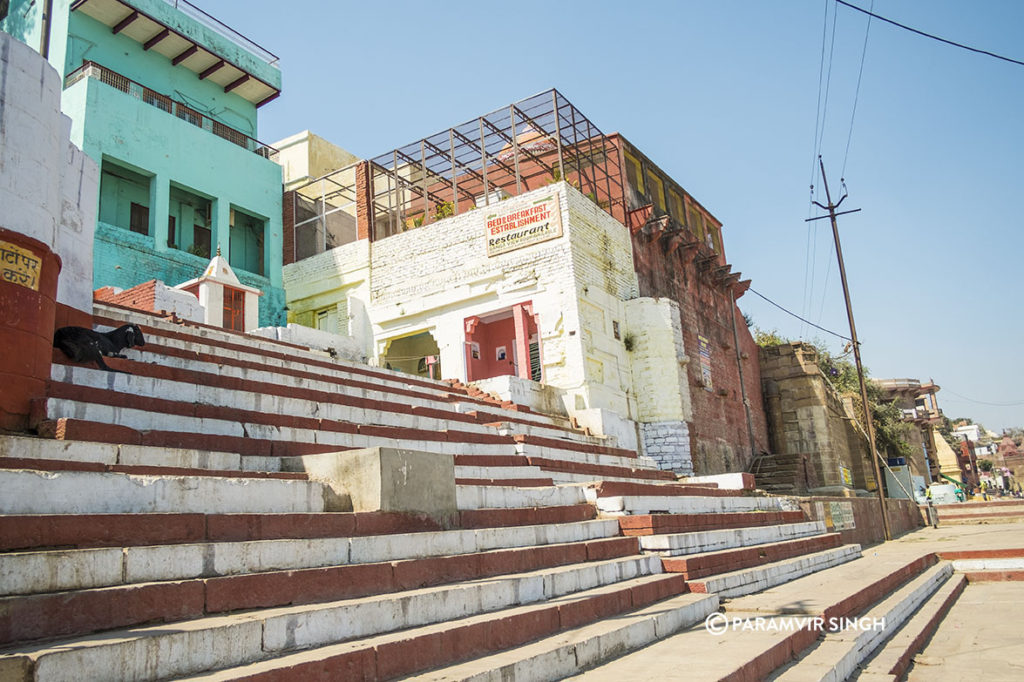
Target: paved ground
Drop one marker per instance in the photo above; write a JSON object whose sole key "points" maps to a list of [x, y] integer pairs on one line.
{"points": [[980, 638], [695, 655]]}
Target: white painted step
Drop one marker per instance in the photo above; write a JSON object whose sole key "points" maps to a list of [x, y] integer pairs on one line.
{"points": [[688, 504], [884, 659], [56, 570], [509, 497], [131, 455], [837, 656], [488, 472], [297, 359], [144, 420], [750, 580], [555, 658], [258, 402], [174, 650], [88, 492], [678, 544], [285, 663]]}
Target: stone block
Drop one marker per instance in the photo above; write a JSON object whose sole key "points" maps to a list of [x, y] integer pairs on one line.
{"points": [[384, 479]]}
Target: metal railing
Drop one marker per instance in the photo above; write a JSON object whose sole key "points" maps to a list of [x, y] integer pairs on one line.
{"points": [[512, 150], [141, 92], [225, 31], [325, 213]]}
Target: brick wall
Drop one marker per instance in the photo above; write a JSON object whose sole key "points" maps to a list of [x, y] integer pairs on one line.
{"points": [[671, 264], [904, 516]]}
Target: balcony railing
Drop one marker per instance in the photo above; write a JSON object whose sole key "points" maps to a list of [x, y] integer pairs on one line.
{"points": [[225, 31], [185, 113]]}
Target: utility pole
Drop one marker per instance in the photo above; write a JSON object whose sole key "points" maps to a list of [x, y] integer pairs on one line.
{"points": [[832, 213]]}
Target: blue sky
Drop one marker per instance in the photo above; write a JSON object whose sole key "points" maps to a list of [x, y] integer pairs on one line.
{"points": [[724, 96]]}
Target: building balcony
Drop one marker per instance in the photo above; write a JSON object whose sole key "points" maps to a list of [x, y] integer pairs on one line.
{"points": [[165, 103], [194, 40]]}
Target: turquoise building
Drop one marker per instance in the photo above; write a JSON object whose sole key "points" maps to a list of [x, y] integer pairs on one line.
{"points": [[164, 98]]}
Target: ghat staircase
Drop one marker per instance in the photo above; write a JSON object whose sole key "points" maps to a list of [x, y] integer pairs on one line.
{"points": [[154, 529]]}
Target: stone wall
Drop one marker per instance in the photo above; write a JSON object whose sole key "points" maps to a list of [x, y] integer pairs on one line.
{"points": [[806, 415], [866, 529]]}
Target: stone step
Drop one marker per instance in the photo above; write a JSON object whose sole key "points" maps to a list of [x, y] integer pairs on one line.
{"points": [[666, 504], [893, 659], [58, 570], [706, 564], [676, 544], [565, 654], [397, 630], [503, 497], [90, 492], [142, 469], [837, 656], [657, 524], [760, 632], [25, 447], [414, 651], [271, 353], [256, 353], [618, 489], [143, 421], [77, 612], [81, 531], [749, 580]]}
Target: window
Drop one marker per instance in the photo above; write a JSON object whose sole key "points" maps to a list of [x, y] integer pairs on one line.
{"points": [[234, 309], [138, 220], [247, 239], [657, 192], [634, 174], [615, 330], [675, 207], [124, 198], [189, 222]]}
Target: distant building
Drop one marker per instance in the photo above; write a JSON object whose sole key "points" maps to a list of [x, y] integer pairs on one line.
{"points": [[164, 98], [920, 408], [528, 252]]}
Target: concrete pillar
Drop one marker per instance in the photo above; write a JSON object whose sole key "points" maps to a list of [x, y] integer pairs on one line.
{"points": [[522, 350], [221, 229], [160, 208]]}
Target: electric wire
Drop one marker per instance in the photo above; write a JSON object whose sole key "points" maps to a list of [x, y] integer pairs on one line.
{"points": [[933, 37], [814, 156], [856, 92], [982, 402], [789, 312]]}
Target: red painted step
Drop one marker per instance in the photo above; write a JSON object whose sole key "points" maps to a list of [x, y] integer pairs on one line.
{"points": [[40, 531], [656, 524], [712, 563]]}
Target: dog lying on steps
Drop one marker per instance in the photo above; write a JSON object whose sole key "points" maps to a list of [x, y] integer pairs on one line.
{"points": [[85, 345]]}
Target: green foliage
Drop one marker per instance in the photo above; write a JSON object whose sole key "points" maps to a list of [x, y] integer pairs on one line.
{"points": [[748, 320], [445, 209], [985, 465], [768, 337], [891, 432], [629, 341]]}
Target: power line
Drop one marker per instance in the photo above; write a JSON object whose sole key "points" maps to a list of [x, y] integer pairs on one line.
{"points": [[789, 312], [982, 402], [856, 93], [929, 35]]}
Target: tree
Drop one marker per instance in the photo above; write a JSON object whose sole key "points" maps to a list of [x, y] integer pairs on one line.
{"points": [[768, 337], [985, 465]]}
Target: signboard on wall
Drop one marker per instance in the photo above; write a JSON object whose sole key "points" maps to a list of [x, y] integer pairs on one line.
{"points": [[840, 516], [19, 266], [523, 226], [704, 347]]}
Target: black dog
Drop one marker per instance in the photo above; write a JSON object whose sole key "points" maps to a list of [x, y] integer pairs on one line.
{"points": [[85, 345]]}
